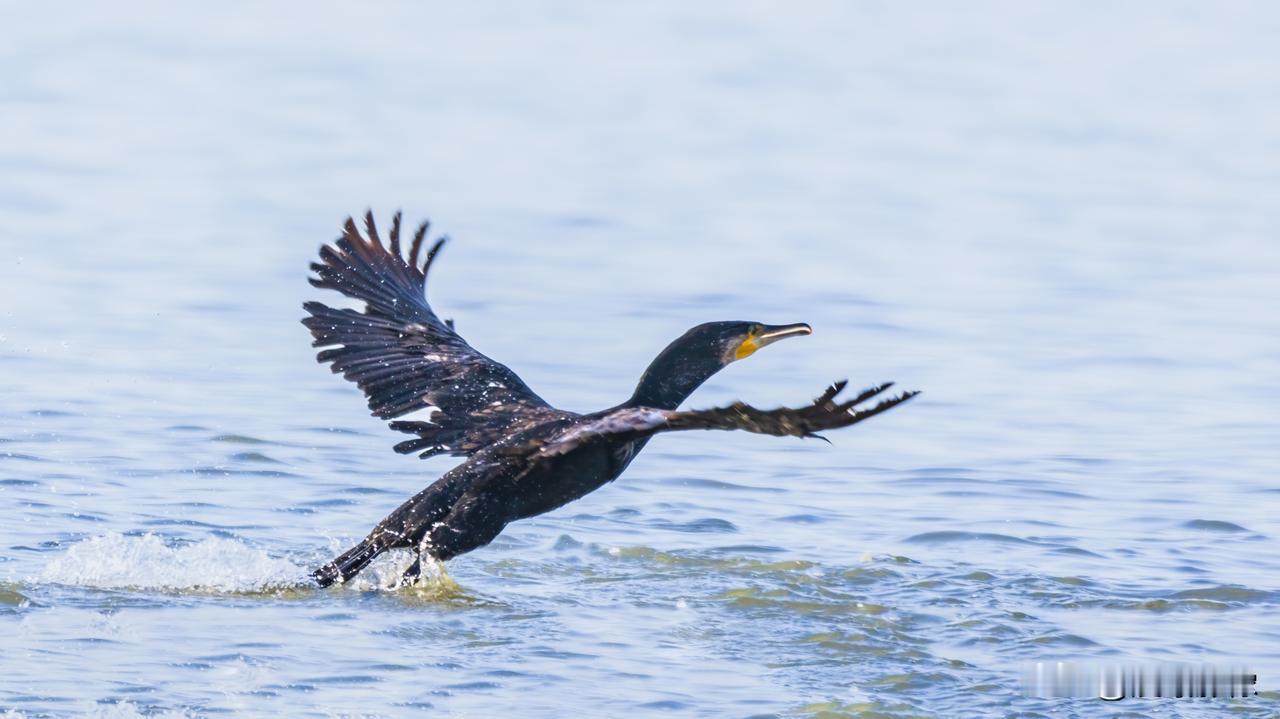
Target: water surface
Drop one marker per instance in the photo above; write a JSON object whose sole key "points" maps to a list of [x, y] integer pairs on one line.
{"points": [[1060, 222]]}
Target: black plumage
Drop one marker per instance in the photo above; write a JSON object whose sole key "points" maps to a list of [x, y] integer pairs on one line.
{"points": [[524, 457]]}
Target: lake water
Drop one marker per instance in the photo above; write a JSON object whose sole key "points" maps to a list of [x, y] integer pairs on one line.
{"points": [[1059, 221]]}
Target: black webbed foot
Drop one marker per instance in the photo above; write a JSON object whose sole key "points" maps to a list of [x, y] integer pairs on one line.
{"points": [[412, 573]]}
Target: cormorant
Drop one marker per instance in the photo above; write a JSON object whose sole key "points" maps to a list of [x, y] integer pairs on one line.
{"points": [[524, 457]]}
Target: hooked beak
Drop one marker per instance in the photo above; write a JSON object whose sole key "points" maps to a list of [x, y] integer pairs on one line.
{"points": [[773, 333], [768, 335]]}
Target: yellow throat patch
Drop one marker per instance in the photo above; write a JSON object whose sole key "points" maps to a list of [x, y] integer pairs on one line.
{"points": [[748, 346]]}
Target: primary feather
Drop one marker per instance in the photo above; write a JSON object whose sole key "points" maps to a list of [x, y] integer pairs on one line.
{"points": [[404, 358]]}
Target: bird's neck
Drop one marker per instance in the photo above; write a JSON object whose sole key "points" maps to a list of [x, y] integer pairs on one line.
{"points": [[672, 377]]}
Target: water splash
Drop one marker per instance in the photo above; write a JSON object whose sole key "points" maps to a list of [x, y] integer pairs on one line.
{"points": [[116, 561], [385, 575]]}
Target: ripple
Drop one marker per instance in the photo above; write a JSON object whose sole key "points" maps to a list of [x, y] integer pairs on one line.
{"points": [[1083, 461], [120, 709], [12, 598], [1160, 606], [666, 705], [474, 686], [941, 471], [336, 430], [21, 457], [238, 439], [734, 549], [952, 537], [790, 601], [1214, 525], [1064, 639], [1227, 593], [51, 413], [235, 472], [699, 526], [718, 484], [368, 490], [727, 564], [802, 519], [1077, 552], [344, 679], [1064, 493], [335, 502], [254, 457], [566, 543]]}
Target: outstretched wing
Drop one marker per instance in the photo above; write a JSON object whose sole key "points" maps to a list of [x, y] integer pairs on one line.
{"points": [[403, 356], [634, 423]]}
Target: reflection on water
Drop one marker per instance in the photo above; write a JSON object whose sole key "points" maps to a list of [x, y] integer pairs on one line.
{"points": [[1062, 229]]}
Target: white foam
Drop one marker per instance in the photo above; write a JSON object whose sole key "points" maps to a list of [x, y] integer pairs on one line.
{"points": [[116, 561]]}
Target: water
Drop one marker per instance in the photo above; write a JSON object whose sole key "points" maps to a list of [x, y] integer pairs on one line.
{"points": [[1059, 221]]}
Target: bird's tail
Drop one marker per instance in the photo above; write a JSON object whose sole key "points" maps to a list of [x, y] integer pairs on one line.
{"points": [[347, 565]]}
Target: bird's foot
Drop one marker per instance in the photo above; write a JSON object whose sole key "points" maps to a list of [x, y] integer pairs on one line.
{"points": [[413, 573], [427, 572]]}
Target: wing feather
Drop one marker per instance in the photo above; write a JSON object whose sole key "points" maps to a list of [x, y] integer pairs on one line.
{"points": [[633, 423], [402, 355]]}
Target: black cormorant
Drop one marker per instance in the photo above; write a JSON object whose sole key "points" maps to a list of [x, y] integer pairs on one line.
{"points": [[524, 457]]}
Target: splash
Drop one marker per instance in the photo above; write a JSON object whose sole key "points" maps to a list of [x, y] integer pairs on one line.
{"points": [[116, 561], [385, 575]]}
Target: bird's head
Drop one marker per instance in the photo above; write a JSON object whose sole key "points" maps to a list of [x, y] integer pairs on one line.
{"points": [[701, 352], [731, 341]]}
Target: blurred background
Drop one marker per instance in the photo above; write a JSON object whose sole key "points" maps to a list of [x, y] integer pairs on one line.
{"points": [[1058, 220]]}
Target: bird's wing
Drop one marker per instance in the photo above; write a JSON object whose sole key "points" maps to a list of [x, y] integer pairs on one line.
{"points": [[632, 423], [403, 356]]}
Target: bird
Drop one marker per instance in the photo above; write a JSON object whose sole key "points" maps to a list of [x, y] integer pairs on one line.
{"points": [[523, 457]]}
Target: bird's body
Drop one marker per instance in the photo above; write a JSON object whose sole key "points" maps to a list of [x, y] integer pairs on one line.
{"points": [[524, 457]]}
